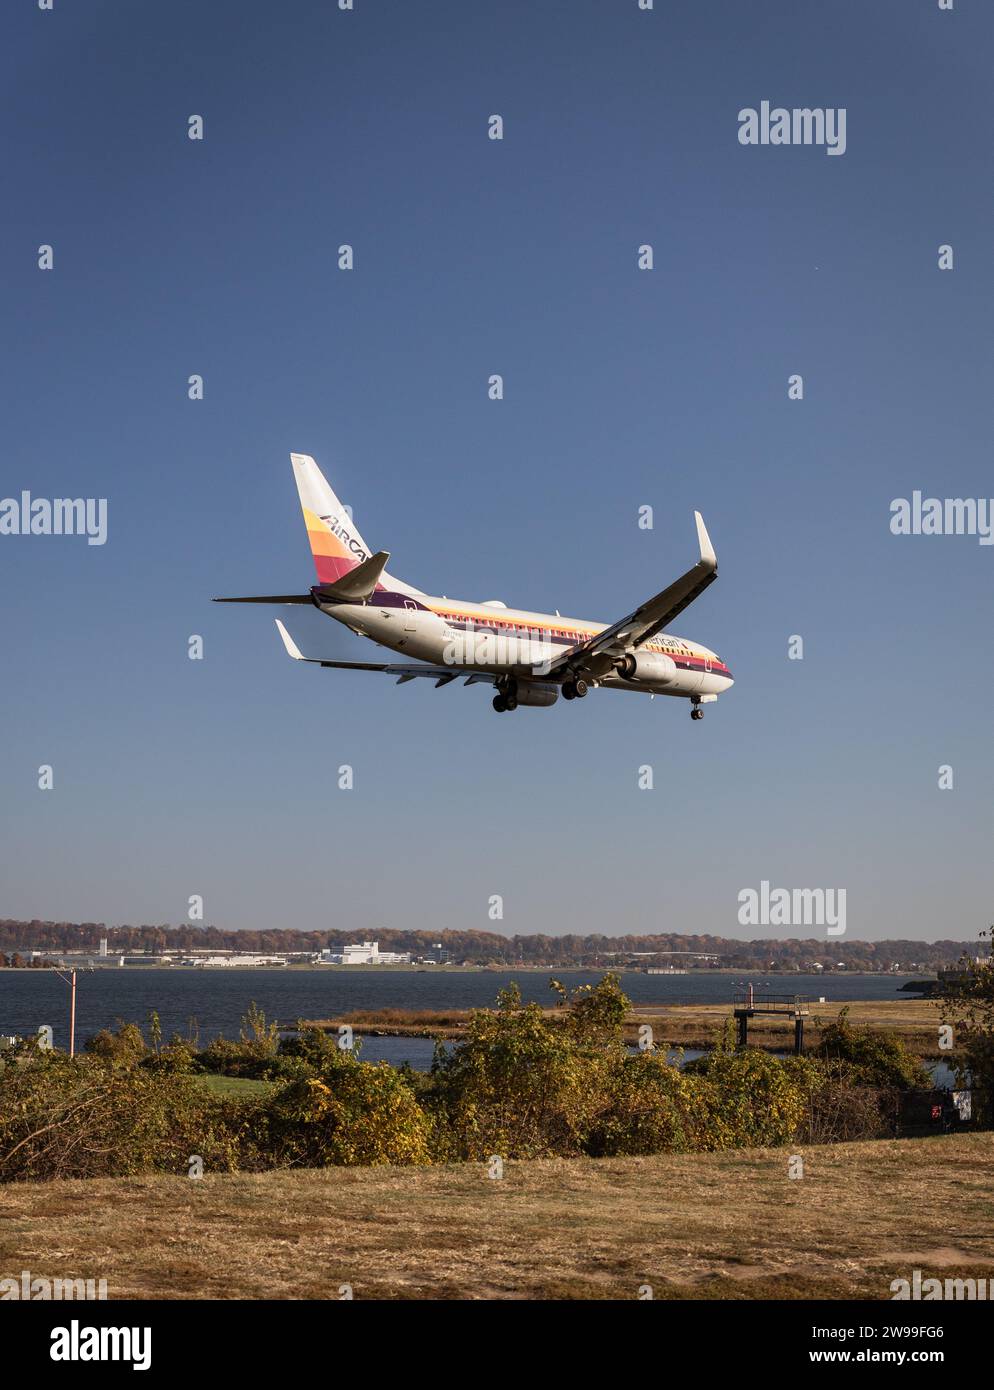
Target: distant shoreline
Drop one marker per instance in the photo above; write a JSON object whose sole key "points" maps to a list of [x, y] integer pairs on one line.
{"points": [[465, 970]]}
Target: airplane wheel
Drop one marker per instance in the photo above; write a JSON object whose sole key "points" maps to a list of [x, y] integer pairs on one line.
{"points": [[500, 704], [510, 702], [580, 689], [568, 691], [696, 713]]}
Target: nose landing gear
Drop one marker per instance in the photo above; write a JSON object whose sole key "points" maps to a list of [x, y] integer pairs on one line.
{"points": [[695, 710]]}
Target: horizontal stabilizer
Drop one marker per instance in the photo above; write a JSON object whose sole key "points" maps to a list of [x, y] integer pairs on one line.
{"points": [[268, 598], [358, 584], [355, 587]]}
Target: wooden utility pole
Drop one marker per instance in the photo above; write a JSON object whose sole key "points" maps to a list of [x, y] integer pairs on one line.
{"points": [[70, 980], [72, 1018]]}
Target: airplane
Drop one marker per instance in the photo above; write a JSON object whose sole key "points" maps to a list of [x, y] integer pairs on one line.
{"points": [[530, 659]]}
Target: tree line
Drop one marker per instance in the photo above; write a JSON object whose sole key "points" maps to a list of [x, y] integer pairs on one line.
{"points": [[490, 948]]}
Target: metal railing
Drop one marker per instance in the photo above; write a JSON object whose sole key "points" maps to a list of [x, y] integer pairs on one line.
{"points": [[770, 1003]]}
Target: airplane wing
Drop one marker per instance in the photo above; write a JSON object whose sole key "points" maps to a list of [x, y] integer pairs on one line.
{"points": [[405, 670], [598, 654]]}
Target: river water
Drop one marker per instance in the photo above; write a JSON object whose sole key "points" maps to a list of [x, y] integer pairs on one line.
{"points": [[213, 1001]]}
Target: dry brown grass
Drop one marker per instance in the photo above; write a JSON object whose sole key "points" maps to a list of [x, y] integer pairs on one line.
{"points": [[699, 1025], [903, 1012], [686, 1025], [728, 1225]]}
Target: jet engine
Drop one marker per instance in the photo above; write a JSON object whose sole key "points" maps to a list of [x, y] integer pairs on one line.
{"points": [[537, 693], [647, 666]]}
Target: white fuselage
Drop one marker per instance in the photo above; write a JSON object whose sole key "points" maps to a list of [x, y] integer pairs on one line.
{"points": [[491, 637]]}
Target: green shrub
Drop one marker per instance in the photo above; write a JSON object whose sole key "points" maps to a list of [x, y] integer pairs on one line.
{"points": [[745, 1098], [353, 1113], [86, 1118], [650, 1109], [522, 1085], [250, 1060], [176, 1057], [877, 1057], [122, 1047], [258, 1056], [313, 1047]]}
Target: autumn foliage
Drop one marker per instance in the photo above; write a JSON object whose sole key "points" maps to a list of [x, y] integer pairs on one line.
{"points": [[525, 1083]]}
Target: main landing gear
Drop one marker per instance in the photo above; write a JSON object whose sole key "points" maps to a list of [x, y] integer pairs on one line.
{"points": [[507, 693], [507, 697]]}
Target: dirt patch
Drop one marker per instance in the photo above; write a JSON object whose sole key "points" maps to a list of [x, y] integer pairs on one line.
{"points": [[943, 1257]]}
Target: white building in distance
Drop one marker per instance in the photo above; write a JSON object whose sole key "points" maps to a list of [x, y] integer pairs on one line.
{"points": [[368, 953], [219, 962]]}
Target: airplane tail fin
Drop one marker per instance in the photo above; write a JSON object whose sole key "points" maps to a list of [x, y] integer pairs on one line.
{"points": [[335, 542]]}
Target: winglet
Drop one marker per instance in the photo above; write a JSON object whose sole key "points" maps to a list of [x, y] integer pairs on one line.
{"points": [[288, 642], [708, 556]]}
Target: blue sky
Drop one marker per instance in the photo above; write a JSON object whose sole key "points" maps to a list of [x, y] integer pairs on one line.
{"points": [[622, 388]]}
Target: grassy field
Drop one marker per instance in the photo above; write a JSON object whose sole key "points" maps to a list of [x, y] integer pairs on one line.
{"points": [[699, 1025], [717, 1226], [239, 1086], [684, 1025]]}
